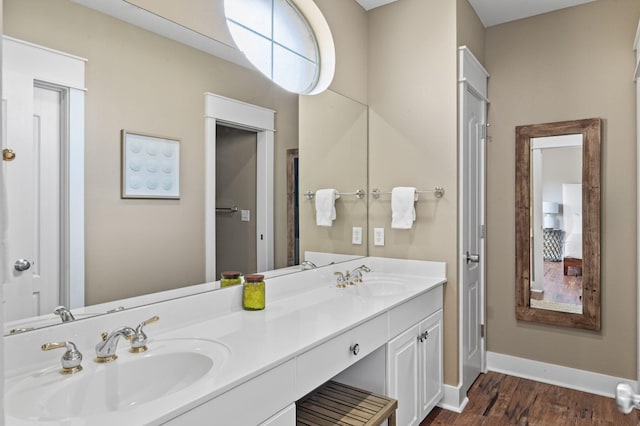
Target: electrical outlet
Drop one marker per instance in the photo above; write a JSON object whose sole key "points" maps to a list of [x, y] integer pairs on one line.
{"points": [[356, 235], [245, 215], [378, 236]]}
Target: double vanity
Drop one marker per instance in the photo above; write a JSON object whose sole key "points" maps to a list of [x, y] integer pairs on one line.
{"points": [[210, 362]]}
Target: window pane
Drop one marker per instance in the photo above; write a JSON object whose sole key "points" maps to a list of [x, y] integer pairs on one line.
{"points": [[290, 30], [291, 71], [256, 48], [253, 14]]}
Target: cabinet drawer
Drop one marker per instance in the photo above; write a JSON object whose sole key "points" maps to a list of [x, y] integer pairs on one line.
{"points": [[319, 364], [404, 316]]}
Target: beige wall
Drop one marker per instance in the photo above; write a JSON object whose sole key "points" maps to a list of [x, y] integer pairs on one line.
{"points": [[349, 25], [139, 81], [570, 64], [333, 135], [413, 138], [333, 154], [471, 32]]}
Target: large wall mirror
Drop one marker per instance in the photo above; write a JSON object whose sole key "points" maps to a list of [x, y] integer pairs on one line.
{"points": [[558, 223], [143, 250]]}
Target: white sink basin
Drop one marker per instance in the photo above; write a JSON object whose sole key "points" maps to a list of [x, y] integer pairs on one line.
{"points": [[168, 367], [380, 285]]}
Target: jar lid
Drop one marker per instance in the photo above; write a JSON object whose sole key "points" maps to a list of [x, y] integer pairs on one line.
{"points": [[231, 274], [254, 278]]}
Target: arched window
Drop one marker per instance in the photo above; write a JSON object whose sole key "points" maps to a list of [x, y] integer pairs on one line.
{"points": [[281, 42]]}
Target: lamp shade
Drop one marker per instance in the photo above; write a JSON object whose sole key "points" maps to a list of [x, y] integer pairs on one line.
{"points": [[550, 207]]}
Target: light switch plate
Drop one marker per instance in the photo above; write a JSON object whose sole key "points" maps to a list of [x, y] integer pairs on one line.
{"points": [[378, 236], [245, 215], [356, 235]]}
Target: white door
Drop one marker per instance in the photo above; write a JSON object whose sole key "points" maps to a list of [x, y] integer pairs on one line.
{"points": [[402, 376], [472, 190], [37, 181], [33, 190]]}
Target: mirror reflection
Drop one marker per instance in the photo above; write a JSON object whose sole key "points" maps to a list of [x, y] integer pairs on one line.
{"points": [[557, 217], [556, 225], [138, 251]]}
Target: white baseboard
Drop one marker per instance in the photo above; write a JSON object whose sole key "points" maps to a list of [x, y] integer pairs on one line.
{"points": [[572, 378], [452, 399]]}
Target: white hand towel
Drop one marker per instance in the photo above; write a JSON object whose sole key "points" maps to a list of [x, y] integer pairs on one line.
{"points": [[325, 206], [403, 212]]}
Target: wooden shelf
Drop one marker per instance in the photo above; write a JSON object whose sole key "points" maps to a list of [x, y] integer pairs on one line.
{"points": [[336, 404]]}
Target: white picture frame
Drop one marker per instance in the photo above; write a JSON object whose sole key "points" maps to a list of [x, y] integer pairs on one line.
{"points": [[150, 166]]}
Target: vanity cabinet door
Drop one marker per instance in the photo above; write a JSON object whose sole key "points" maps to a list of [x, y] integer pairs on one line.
{"points": [[402, 375], [430, 354], [414, 369]]}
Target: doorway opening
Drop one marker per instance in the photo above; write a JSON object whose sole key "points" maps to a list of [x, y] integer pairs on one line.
{"points": [[293, 212], [236, 160], [239, 115]]}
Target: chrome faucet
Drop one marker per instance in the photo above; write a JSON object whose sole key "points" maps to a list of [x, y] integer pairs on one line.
{"points": [[106, 349], [350, 278], [64, 314], [308, 265], [356, 274]]}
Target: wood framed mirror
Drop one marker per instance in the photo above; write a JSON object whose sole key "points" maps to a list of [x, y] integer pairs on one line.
{"points": [[558, 223]]}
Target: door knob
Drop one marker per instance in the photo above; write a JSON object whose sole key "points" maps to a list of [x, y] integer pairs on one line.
{"points": [[8, 154], [473, 258], [22, 265]]}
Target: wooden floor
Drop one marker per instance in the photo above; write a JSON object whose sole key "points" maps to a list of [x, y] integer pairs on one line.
{"points": [[498, 399], [559, 287]]}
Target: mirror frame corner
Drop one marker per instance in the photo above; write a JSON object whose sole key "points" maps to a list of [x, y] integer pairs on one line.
{"points": [[591, 133]]}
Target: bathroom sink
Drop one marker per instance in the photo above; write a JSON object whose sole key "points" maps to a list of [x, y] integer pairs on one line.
{"points": [[380, 285], [168, 367]]}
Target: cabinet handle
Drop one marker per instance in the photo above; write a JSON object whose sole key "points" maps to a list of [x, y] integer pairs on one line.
{"points": [[423, 336], [355, 349]]}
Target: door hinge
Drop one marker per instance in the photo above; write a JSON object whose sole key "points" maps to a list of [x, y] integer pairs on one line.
{"points": [[482, 330], [483, 231]]}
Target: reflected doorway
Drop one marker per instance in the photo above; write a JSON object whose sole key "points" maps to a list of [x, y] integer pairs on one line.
{"points": [[293, 212], [236, 171]]}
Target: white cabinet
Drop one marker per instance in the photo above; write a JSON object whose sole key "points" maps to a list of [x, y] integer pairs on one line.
{"points": [[414, 369], [286, 417]]}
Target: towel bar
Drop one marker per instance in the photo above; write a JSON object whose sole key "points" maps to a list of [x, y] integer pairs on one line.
{"points": [[360, 193], [438, 191]]}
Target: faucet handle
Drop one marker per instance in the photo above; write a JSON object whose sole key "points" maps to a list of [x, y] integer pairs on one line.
{"points": [[342, 279], [71, 359], [139, 341]]}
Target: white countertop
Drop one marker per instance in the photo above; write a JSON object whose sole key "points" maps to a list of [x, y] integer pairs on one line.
{"points": [[303, 311]]}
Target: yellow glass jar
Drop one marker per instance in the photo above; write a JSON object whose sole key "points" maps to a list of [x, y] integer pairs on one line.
{"points": [[230, 278], [253, 292]]}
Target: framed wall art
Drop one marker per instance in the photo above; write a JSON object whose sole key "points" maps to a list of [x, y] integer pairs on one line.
{"points": [[150, 166]]}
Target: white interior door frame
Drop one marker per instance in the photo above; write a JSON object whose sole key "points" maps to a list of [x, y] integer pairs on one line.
{"points": [[65, 72], [234, 113], [472, 80]]}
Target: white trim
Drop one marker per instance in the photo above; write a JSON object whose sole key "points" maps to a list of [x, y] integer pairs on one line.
{"points": [[75, 212], [472, 79], [49, 65], [66, 71], [326, 46], [472, 72], [227, 111], [572, 378], [454, 399]]}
